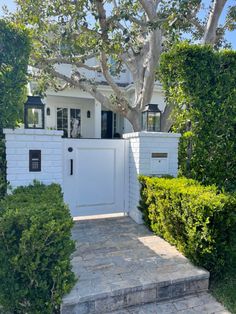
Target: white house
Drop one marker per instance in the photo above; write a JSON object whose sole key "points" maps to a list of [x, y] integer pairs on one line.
{"points": [[95, 121], [98, 175]]}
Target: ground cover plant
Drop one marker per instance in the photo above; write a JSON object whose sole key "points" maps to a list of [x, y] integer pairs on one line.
{"points": [[35, 250]]}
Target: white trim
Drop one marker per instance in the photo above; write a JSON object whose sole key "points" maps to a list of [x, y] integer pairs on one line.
{"points": [[32, 132], [151, 134]]}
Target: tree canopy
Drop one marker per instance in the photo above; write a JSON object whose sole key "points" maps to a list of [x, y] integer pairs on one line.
{"points": [[131, 33]]}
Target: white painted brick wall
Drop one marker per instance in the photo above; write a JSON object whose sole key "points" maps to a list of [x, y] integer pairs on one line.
{"points": [[141, 147], [18, 144]]}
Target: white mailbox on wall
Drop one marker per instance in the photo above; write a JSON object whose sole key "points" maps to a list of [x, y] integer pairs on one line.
{"points": [[159, 163]]}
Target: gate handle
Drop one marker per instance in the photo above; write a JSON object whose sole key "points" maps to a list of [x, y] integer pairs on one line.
{"points": [[71, 167]]}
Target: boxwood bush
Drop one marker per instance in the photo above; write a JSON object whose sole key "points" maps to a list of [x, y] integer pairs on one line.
{"points": [[35, 249], [197, 219]]}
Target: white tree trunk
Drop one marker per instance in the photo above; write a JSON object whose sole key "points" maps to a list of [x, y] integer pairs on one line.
{"points": [[166, 121], [213, 20], [135, 119]]}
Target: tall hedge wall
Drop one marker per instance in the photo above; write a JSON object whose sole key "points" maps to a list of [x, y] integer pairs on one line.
{"points": [[14, 55], [200, 84]]}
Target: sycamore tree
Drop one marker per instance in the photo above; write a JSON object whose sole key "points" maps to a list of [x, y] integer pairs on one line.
{"points": [[130, 33]]}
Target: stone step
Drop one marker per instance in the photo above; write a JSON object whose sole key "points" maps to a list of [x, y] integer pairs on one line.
{"points": [[201, 303], [134, 295], [120, 264]]}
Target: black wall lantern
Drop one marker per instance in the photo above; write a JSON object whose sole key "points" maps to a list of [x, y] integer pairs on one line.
{"points": [[34, 113], [151, 118]]}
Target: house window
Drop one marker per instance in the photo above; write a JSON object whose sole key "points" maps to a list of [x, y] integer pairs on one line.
{"points": [[62, 120], [69, 121], [75, 123]]}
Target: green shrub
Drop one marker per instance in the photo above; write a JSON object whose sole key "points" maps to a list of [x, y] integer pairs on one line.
{"points": [[198, 220], [204, 111], [35, 249], [15, 49]]}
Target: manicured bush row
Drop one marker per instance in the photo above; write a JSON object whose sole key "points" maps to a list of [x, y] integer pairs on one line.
{"points": [[35, 250], [198, 220]]}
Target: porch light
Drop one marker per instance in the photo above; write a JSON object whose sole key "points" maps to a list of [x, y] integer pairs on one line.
{"points": [[34, 113], [151, 118]]}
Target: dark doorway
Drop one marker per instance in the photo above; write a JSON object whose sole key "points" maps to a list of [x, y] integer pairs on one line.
{"points": [[106, 126]]}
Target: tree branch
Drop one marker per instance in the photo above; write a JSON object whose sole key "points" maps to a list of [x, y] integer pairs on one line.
{"points": [[212, 23], [150, 7], [88, 87], [117, 90], [60, 60]]}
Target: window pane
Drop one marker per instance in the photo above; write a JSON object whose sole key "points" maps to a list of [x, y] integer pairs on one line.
{"points": [[153, 122], [62, 120], [75, 123], [35, 118]]}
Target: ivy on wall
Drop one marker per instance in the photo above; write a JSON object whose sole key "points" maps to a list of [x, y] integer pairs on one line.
{"points": [[200, 84], [14, 56]]}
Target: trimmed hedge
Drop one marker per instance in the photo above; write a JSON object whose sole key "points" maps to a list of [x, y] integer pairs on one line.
{"points": [[198, 220], [199, 85], [35, 250]]}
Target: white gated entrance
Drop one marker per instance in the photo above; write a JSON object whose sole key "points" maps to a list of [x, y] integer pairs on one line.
{"points": [[94, 176]]}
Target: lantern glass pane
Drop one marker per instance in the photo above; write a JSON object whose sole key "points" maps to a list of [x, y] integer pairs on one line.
{"points": [[154, 122], [35, 119]]}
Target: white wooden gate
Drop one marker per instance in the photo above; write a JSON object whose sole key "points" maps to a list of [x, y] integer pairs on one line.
{"points": [[94, 176]]}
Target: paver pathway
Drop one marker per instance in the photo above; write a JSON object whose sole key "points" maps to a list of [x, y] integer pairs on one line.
{"points": [[121, 264]]}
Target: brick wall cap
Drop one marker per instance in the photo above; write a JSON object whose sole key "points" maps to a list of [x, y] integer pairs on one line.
{"points": [[20, 131], [151, 134]]}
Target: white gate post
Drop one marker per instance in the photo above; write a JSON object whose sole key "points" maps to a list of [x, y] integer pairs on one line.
{"points": [[153, 154], [21, 144]]}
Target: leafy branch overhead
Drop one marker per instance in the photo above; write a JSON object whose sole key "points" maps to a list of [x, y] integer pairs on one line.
{"points": [[97, 36]]}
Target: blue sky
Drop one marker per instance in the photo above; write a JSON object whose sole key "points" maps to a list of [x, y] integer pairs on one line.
{"points": [[231, 36]]}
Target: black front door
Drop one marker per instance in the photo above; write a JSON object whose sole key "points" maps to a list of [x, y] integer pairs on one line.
{"points": [[106, 124]]}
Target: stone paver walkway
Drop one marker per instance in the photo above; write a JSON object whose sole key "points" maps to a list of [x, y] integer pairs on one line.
{"points": [[121, 264]]}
